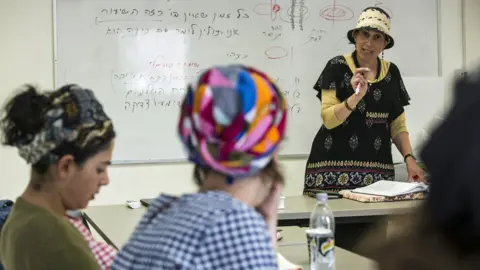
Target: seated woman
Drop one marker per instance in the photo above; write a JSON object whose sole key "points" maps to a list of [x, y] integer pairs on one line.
{"points": [[68, 140], [444, 233], [231, 123]]}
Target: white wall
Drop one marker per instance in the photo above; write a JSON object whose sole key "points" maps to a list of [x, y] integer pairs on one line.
{"points": [[26, 55], [472, 31]]}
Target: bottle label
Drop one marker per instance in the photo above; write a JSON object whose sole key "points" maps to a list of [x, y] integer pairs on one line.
{"points": [[326, 246], [322, 251]]}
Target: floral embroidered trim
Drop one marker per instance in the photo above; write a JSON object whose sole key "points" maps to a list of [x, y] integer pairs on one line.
{"points": [[377, 115], [343, 180], [350, 164], [376, 118]]}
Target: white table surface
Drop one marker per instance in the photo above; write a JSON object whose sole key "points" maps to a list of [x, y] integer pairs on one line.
{"points": [[298, 207], [293, 247], [116, 222]]}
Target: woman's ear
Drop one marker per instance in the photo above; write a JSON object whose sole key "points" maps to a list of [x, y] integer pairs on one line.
{"points": [[65, 168], [275, 155]]}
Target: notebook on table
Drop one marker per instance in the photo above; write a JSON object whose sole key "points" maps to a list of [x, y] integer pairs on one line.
{"points": [[387, 191], [391, 188]]}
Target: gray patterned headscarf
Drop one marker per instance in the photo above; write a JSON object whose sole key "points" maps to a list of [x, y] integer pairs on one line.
{"points": [[75, 116]]}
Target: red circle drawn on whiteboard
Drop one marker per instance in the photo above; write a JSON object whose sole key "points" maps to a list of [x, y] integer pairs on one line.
{"points": [[336, 13], [276, 8], [276, 52]]}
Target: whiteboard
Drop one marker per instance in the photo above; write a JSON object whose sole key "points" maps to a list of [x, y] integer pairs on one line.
{"points": [[138, 56]]}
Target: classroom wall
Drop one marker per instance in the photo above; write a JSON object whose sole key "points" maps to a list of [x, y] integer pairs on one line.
{"points": [[26, 54], [472, 31]]}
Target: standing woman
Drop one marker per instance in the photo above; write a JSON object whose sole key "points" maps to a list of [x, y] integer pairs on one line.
{"points": [[353, 146]]}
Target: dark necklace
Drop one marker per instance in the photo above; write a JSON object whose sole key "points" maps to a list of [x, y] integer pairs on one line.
{"points": [[357, 65]]}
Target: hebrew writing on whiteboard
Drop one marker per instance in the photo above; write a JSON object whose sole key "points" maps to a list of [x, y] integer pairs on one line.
{"points": [[140, 55]]}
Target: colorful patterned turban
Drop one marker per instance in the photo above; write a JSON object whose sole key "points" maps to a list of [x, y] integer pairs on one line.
{"points": [[75, 116], [233, 120]]}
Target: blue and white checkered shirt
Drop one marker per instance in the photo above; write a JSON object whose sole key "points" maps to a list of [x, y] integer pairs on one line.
{"points": [[210, 230]]}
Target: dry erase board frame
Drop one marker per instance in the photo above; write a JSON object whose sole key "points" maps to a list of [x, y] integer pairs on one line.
{"points": [[183, 160]]}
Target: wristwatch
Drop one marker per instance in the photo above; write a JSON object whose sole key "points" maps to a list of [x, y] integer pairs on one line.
{"points": [[407, 156]]}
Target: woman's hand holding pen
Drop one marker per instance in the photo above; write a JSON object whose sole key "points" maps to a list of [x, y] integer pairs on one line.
{"points": [[359, 83]]}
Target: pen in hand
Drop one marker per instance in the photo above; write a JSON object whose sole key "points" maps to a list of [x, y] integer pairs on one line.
{"points": [[362, 72]]}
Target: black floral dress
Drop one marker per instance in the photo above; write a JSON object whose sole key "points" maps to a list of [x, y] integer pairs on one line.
{"points": [[359, 151]]}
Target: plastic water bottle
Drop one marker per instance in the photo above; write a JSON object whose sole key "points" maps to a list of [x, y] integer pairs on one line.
{"points": [[321, 235]]}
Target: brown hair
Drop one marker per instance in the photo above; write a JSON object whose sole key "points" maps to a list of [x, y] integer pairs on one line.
{"points": [[271, 172], [25, 116], [444, 233]]}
